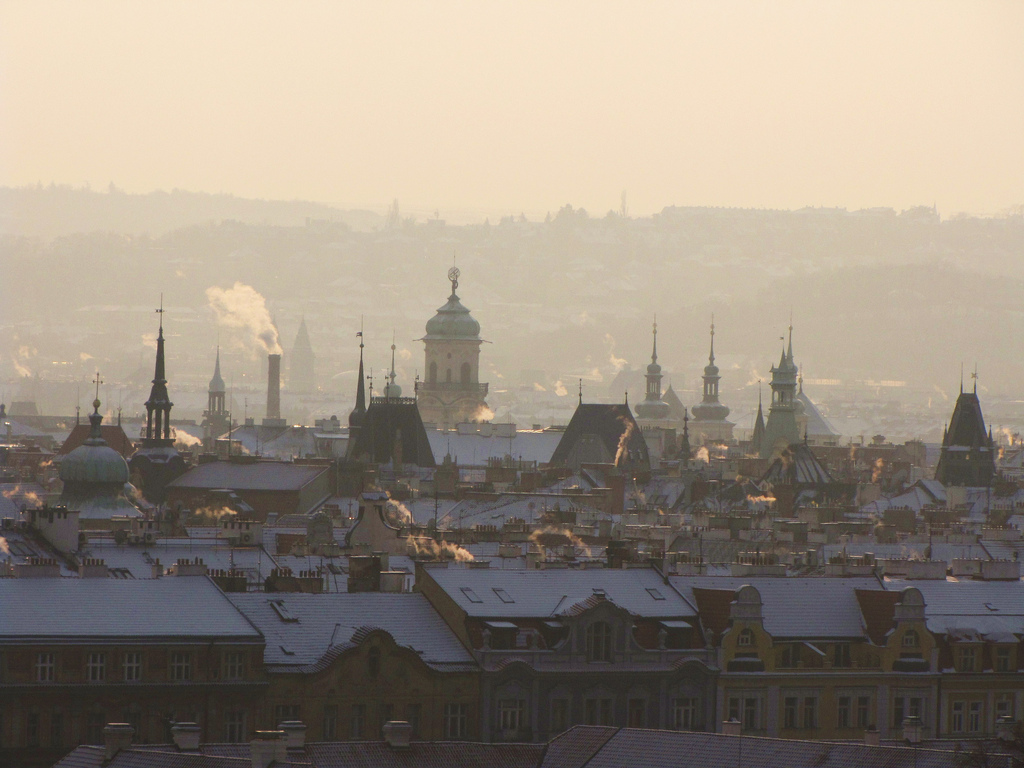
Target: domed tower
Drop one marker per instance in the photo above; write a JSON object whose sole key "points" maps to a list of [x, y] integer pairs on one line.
{"points": [[652, 408], [451, 391], [94, 475], [216, 419], [157, 462], [709, 415]]}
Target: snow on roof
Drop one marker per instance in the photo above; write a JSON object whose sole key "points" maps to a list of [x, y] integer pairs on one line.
{"points": [[796, 607], [178, 607], [258, 476], [492, 592], [256, 563], [301, 628], [475, 449], [989, 607]]}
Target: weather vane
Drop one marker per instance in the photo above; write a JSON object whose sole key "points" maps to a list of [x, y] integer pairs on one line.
{"points": [[453, 275]]}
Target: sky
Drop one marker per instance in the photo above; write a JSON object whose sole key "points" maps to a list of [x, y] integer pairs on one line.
{"points": [[522, 106]]}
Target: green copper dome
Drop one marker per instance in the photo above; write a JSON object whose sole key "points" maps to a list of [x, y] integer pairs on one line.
{"points": [[94, 461], [453, 321]]}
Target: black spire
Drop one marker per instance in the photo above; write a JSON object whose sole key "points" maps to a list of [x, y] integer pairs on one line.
{"points": [[355, 418], [159, 404]]}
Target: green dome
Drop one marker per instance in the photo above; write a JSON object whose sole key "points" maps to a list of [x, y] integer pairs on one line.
{"points": [[453, 321], [94, 461]]}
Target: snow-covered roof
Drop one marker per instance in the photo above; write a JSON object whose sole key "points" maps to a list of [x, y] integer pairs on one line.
{"points": [[476, 448]]}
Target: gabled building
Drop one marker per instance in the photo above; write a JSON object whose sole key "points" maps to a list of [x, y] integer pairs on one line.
{"points": [[603, 433], [562, 646]]}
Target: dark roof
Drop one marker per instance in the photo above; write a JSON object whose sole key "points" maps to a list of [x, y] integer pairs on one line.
{"points": [[878, 608], [112, 433], [797, 465], [629, 747], [255, 476], [385, 420], [608, 424], [967, 427]]}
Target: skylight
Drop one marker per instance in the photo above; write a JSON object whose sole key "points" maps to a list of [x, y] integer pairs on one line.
{"points": [[282, 611], [472, 596], [504, 596], [655, 593]]}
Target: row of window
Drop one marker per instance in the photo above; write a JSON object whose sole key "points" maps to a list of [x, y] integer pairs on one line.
{"points": [[455, 720], [967, 658], [102, 667], [513, 714], [802, 712]]}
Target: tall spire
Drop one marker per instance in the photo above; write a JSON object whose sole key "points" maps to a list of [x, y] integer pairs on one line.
{"points": [[391, 389], [158, 407], [789, 352], [360, 385], [712, 357], [654, 351], [159, 375]]}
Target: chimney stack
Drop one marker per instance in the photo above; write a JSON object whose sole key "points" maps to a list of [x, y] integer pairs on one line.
{"points": [[273, 387], [872, 738], [732, 727], [267, 748], [116, 736], [397, 733], [185, 736]]}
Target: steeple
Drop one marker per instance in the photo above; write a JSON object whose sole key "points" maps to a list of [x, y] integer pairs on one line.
{"points": [[355, 418], [709, 409], [684, 443], [391, 389], [652, 407], [158, 407], [758, 436], [216, 419]]}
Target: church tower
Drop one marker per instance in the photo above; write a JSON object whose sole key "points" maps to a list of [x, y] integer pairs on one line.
{"points": [[653, 408], [781, 429], [157, 462], [968, 451], [216, 419], [709, 415], [451, 391], [302, 363]]}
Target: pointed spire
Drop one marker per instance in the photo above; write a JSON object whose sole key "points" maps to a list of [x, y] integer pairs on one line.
{"points": [[360, 385], [975, 377], [158, 374], [961, 377], [581, 391], [95, 419], [684, 443], [711, 359], [654, 351]]}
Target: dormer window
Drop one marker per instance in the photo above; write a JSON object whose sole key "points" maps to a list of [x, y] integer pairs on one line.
{"points": [[910, 639], [599, 641], [745, 639], [373, 661]]}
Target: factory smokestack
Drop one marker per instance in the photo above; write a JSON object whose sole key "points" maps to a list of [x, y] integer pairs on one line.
{"points": [[273, 388]]}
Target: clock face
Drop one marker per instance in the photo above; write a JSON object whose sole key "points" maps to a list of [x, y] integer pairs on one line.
{"points": [[453, 274]]}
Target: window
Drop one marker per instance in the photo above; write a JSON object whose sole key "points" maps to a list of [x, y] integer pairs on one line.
{"points": [[841, 655], [747, 710], [745, 639], [511, 715], [684, 714], [904, 707], [132, 667], [234, 727], [456, 721], [471, 595], [133, 716], [448, 376], [433, 373], [285, 712], [94, 723], [559, 715], [843, 712], [597, 711], [329, 732], [464, 373], [863, 711], [789, 712], [636, 710], [1004, 706], [1002, 663], [966, 659], [599, 641], [56, 729], [181, 666], [357, 724], [791, 655], [232, 665], [387, 714], [504, 596], [956, 718], [45, 666], [810, 712], [373, 661], [910, 639], [655, 593], [96, 667], [32, 729], [412, 716], [974, 717]]}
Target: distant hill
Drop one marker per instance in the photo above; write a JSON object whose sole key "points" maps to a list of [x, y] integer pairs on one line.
{"points": [[55, 211]]}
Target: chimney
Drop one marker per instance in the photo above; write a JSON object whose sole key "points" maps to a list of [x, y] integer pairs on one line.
{"points": [[186, 736], [273, 387], [295, 732], [871, 737], [912, 728], [92, 568], [397, 734], [116, 736], [268, 747], [732, 727], [1005, 727]]}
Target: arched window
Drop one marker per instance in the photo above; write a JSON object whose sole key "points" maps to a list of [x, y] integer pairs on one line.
{"points": [[433, 373], [448, 376], [910, 639], [465, 374], [745, 639], [373, 661], [599, 641]]}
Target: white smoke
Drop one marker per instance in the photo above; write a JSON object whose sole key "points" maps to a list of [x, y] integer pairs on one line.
{"points": [[560, 389], [617, 363], [242, 306]]}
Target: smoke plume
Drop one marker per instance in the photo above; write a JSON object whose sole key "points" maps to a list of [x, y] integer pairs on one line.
{"points": [[434, 550], [242, 306], [627, 433], [617, 363]]}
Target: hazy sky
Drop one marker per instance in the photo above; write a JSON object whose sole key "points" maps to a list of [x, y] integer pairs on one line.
{"points": [[494, 106]]}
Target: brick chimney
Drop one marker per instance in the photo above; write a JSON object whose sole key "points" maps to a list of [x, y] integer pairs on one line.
{"points": [[185, 736], [872, 738], [397, 733], [92, 568], [732, 727], [273, 387], [268, 747], [912, 730], [116, 736], [295, 732]]}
